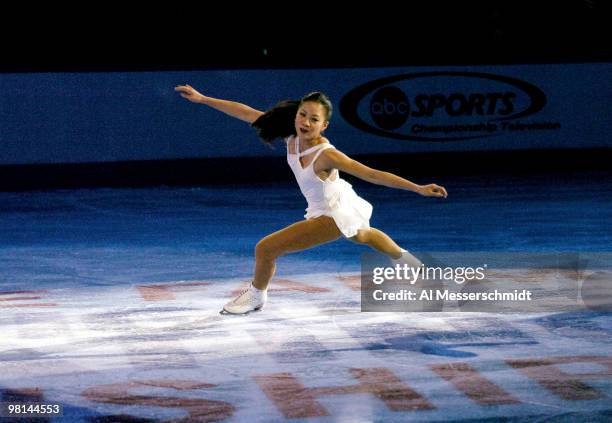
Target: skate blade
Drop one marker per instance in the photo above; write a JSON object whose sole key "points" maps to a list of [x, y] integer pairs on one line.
{"points": [[224, 312]]}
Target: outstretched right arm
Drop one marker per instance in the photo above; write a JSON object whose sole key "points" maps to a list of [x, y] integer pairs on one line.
{"points": [[232, 108]]}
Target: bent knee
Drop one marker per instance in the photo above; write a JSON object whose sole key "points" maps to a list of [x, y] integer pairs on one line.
{"points": [[362, 237], [265, 249]]}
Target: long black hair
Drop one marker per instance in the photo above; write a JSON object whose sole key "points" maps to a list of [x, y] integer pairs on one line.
{"points": [[279, 121]]}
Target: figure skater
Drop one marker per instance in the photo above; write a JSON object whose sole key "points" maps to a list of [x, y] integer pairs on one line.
{"points": [[334, 209]]}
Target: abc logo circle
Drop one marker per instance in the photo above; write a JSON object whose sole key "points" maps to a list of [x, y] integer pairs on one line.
{"points": [[389, 108]]}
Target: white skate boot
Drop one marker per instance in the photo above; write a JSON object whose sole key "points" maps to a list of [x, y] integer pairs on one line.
{"points": [[251, 299], [410, 261]]}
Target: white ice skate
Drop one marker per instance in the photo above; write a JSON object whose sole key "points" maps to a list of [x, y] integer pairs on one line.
{"points": [[407, 259], [251, 299]]}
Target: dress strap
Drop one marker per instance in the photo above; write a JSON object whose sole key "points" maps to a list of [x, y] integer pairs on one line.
{"points": [[324, 146], [309, 150]]}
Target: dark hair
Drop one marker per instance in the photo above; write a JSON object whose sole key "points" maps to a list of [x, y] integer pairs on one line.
{"points": [[279, 121], [322, 99]]}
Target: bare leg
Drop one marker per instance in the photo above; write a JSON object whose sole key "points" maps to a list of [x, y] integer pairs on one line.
{"points": [[296, 237], [379, 241]]}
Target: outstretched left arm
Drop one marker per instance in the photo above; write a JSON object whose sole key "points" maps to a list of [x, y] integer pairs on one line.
{"points": [[334, 159]]}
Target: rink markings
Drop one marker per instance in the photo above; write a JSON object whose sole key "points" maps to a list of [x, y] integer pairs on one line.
{"points": [[295, 359], [166, 291], [14, 299]]}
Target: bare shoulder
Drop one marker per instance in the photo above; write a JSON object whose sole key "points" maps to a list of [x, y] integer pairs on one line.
{"points": [[332, 152], [332, 157]]}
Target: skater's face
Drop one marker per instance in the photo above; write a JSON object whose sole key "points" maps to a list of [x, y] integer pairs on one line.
{"points": [[310, 120]]}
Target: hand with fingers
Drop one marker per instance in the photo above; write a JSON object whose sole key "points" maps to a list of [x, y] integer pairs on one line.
{"points": [[190, 93], [433, 190]]}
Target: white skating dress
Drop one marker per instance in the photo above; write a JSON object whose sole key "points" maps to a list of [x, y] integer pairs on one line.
{"points": [[333, 197]]}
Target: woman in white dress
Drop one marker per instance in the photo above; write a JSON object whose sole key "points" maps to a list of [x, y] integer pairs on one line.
{"points": [[334, 209]]}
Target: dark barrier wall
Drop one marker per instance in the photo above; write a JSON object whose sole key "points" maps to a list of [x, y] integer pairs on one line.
{"points": [[51, 118]]}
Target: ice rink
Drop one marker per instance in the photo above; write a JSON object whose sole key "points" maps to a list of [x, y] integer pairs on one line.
{"points": [[109, 302]]}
